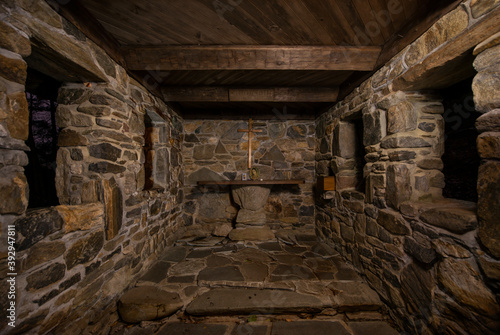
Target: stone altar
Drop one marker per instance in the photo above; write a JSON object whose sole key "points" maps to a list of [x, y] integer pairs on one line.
{"points": [[251, 196]]}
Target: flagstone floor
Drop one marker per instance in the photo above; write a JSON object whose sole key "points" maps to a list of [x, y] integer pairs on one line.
{"points": [[288, 286]]}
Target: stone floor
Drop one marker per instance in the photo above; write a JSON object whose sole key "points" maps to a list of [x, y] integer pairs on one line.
{"points": [[293, 285]]}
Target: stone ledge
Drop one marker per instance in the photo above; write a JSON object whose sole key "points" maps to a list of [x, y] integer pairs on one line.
{"points": [[42, 222], [456, 216]]}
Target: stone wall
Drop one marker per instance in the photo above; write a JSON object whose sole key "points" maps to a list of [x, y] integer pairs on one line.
{"points": [[118, 206], [433, 261], [215, 150]]}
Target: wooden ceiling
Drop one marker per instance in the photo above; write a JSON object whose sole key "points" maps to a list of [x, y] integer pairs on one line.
{"points": [[234, 58]]}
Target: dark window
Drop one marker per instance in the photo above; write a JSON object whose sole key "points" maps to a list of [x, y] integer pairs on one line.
{"points": [[360, 156], [41, 93], [461, 160]]}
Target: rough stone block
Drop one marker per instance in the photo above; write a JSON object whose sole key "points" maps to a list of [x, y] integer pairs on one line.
{"points": [[428, 127], [490, 267], [401, 117], [113, 204], [14, 191], [251, 197], [43, 252], [71, 138], [105, 167], [202, 152], [85, 249], [45, 277], [464, 282], [66, 117], [147, 303], [455, 219], [488, 206], [105, 151], [69, 95], [420, 249], [81, 217], [401, 155], [296, 131], [345, 140], [488, 145], [401, 141], [486, 85], [14, 68], [422, 183], [374, 127], [341, 164], [417, 286], [393, 222], [212, 207], [481, 7], [17, 120], [449, 26], [13, 40], [489, 121], [433, 108], [487, 59], [447, 247], [345, 180], [398, 185]]}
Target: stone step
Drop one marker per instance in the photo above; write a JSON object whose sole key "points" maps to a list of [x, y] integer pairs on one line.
{"points": [[231, 301], [345, 297], [281, 328]]}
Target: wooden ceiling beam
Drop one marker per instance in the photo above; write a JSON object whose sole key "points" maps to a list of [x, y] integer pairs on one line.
{"points": [[273, 94], [251, 57]]}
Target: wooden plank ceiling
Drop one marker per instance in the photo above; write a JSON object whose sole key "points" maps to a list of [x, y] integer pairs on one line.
{"points": [[286, 59]]}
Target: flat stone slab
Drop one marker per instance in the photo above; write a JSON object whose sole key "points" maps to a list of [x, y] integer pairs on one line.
{"points": [[372, 328], [192, 329], [248, 329], [174, 254], [157, 273], [309, 328], [147, 303], [354, 296], [227, 301], [226, 273], [292, 272], [252, 234]]}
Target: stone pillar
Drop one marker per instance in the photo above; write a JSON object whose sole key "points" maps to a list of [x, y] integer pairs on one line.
{"points": [[486, 88], [14, 128]]}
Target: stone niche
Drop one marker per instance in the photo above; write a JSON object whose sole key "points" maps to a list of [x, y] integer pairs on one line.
{"points": [[433, 260], [215, 150], [348, 155]]}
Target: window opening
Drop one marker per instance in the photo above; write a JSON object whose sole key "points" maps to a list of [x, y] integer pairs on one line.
{"points": [[41, 94], [460, 159]]}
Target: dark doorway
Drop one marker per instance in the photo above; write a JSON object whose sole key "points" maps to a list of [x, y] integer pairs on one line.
{"points": [[461, 160], [41, 93]]}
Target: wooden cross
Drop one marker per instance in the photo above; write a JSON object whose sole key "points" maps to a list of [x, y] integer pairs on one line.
{"points": [[250, 131]]}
